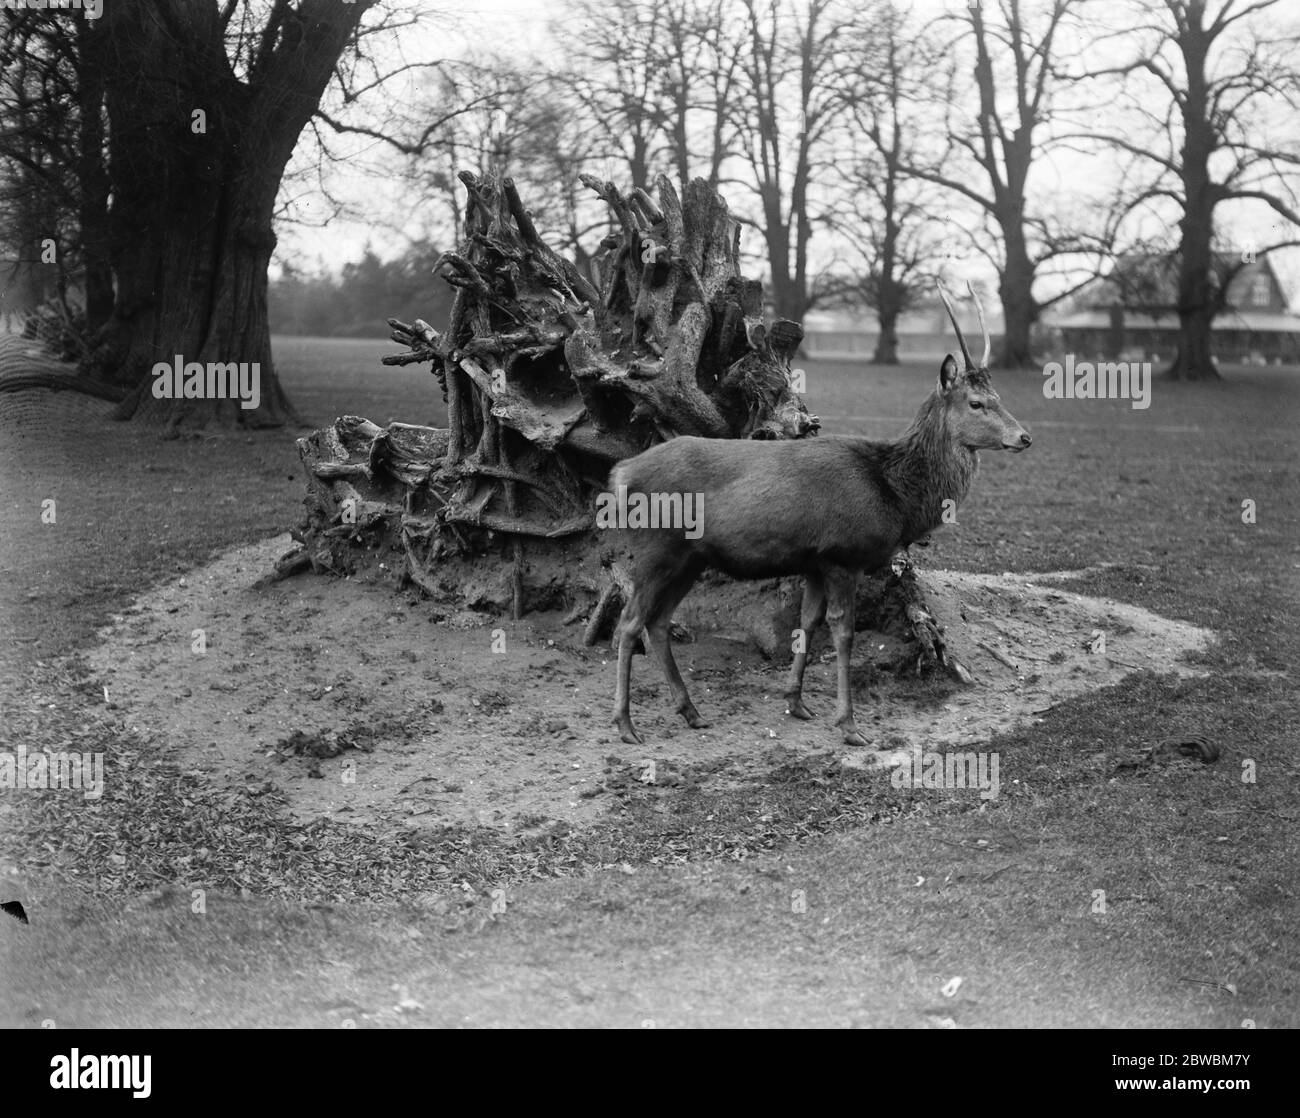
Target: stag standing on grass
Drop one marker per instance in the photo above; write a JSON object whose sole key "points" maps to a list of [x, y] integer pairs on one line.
{"points": [[828, 508]]}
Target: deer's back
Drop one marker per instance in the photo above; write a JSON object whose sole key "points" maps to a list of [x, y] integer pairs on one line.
{"points": [[771, 507]]}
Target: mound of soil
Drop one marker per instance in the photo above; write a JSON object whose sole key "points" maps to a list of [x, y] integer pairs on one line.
{"points": [[375, 707]]}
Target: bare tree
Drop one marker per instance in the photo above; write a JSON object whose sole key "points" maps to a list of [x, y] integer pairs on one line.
{"points": [[53, 176], [891, 210], [700, 60], [521, 125], [1208, 78], [616, 74], [786, 106], [491, 130], [657, 82], [990, 147]]}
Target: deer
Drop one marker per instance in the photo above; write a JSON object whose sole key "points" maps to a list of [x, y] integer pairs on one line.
{"points": [[827, 508]]}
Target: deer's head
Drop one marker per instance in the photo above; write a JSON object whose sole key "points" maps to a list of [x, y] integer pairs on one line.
{"points": [[973, 413]]}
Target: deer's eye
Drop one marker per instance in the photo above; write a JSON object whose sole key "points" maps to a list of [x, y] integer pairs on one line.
{"points": [[976, 405]]}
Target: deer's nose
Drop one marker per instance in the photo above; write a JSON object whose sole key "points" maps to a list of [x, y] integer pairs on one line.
{"points": [[1025, 440]]}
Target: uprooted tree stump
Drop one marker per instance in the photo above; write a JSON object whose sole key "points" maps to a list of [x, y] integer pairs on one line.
{"points": [[550, 376]]}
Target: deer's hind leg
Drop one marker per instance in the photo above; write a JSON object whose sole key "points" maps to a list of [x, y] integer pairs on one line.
{"points": [[841, 595], [661, 645], [655, 597], [811, 614], [630, 625]]}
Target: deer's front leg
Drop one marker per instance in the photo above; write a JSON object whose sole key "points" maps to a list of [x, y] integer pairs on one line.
{"points": [[841, 598], [811, 614]]}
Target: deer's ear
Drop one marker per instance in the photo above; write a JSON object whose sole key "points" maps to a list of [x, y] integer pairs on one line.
{"points": [[948, 374]]}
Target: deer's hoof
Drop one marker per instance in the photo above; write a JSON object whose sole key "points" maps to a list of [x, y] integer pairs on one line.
{"points": [[627, 731], [693, 719], [852, 735], [797, 708]]}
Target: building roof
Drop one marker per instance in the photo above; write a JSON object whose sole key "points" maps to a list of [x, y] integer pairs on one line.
{"points": [[1149, 281], [1231, 319], [927, 318]]}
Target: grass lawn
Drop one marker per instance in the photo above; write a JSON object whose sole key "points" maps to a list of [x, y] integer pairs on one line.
{"points": [[1197, 866]]}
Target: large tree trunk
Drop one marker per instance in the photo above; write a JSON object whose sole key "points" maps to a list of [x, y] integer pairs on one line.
{"points": [[167, 284], [1198, 290], [886, 352], [193, 195], [889, 292], [1019, 311], [1194, 359], [788, 301], [1116, 337]]}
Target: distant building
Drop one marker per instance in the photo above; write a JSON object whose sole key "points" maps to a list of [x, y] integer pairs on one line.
{"points": [[924, 332], [1131, 314], [1128, 315]]}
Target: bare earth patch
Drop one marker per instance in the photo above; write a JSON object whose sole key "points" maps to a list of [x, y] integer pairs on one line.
{"points": [[369, 706]]}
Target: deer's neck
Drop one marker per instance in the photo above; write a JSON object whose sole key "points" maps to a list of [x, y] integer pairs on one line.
{"points": [[927, 468]]}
